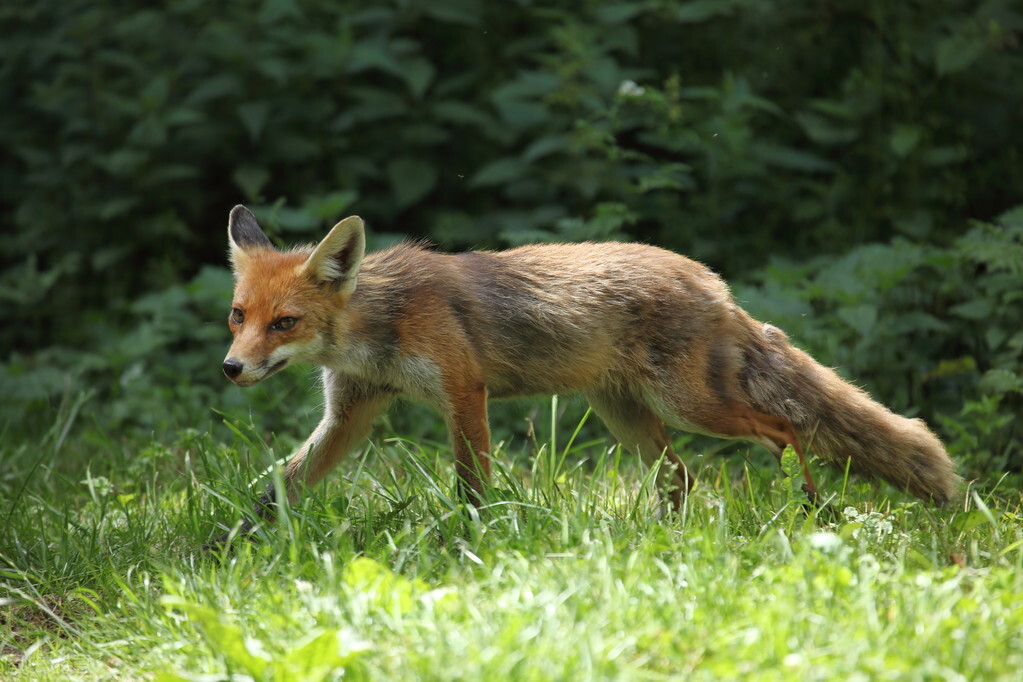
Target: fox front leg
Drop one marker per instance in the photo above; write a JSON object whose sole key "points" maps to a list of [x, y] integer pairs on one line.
{"points": [[470, 434], [346, 423]]}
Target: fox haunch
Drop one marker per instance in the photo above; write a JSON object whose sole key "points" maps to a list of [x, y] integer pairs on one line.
{"points": [[652, 340]]}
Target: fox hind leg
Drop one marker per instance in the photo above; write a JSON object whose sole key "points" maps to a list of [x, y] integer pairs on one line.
{"points": [[734, 419], [639, 429], [780, 433]]}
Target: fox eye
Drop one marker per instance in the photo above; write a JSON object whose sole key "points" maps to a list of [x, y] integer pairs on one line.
{"points": [[237, 316], [283, 324]]}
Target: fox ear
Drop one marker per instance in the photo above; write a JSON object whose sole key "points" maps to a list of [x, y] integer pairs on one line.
{"points": [[243, 232], [336, 259]]}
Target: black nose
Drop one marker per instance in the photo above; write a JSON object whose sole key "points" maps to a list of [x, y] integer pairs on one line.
{"points": [[233, 367]]}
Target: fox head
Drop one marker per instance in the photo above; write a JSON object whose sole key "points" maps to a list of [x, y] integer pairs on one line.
{"points": [[287, 303]]}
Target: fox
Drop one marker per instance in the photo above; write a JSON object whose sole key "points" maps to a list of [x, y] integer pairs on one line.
{"points": [[653, 340]]}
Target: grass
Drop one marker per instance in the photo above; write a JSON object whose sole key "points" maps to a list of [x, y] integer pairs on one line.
{"points": [[569, 572]]}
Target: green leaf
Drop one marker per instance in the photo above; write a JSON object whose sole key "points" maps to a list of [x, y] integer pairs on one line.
{"points": [[253, 116], [418, 73], [995, 337], [215, 87], [467, 12], [1012, 218], [954, 367], [117, 207], [822, 130], [862, 318], [411, 180], [322, 653], [702, 10], [917, 224], [790, 462], [998, 381], [279, 11], [674, 176], [373, 55], [121, 163], [388, 590], [288, 218], [957, 52], [920, 321], [905, 139], [498, 172], [945, 155], [794, 159], [971, 519], [331, 206], [462, 113], [149, 131], [551, 144], [224, 638], [250, 180], [977, 309], [522, 114], [154, 95], [520, 102], [620, 12]]}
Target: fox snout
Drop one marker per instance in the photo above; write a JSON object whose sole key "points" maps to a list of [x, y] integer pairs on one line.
{"points": [[233, 368], [249, 373], [239, 373]]}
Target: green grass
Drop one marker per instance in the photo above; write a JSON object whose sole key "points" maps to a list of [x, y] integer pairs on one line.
{"points": [[569, 573]]}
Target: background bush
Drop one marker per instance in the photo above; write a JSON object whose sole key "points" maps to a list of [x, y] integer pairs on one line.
{"points": [[855, 165]]}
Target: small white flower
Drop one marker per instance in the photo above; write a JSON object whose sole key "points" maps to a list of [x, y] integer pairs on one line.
{"points": [[826, 542], [630, 89]]}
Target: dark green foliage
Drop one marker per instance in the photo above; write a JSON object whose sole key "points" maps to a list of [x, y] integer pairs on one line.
{"points": [[740, 132]]}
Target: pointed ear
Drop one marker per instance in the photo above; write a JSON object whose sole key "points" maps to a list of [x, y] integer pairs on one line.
{"points": [[243, 232], [336, 259]]}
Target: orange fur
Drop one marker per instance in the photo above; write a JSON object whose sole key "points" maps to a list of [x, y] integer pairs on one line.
{"points": [[650, 337]]}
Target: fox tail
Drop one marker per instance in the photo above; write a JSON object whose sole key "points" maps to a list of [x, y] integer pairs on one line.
{"points": [[841, 423]]}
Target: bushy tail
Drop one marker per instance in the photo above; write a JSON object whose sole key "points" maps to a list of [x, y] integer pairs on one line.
{"points": [[840, 422]]}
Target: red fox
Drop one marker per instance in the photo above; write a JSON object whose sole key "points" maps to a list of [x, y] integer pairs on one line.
{"points": [[649, 337]]}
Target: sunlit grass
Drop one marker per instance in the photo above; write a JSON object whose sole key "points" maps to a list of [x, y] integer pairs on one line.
{"points": [[570, 571]]}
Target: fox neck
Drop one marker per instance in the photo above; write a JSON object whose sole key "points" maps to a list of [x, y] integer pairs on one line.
{"points": [[361, 339]]}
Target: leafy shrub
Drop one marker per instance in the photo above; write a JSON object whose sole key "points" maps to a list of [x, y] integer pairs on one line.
{"points": [[162, 372], [728, 130]]}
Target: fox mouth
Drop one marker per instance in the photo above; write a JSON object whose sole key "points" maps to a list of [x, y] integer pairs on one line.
{"points": [[272, 369], [276, 366], [245, 382]]}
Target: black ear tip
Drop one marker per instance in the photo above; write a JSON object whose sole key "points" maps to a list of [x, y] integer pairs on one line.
{"points": [[244, 229]]}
